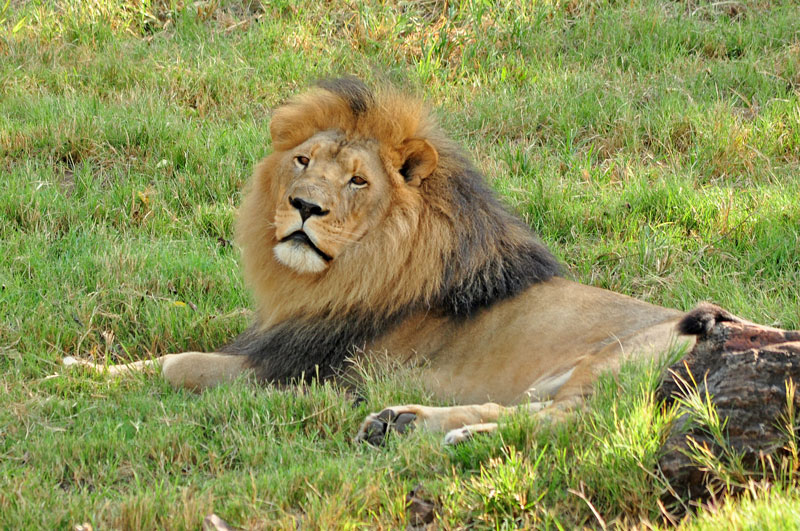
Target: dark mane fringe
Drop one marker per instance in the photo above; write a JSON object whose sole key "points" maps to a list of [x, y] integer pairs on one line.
{"points": [[304, 349], [497, 257]]}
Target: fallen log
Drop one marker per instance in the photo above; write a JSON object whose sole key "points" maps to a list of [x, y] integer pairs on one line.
{"points": [[745, 374]]}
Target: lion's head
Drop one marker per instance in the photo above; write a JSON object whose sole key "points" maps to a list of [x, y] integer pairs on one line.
{"points": [[338, 189], [365, 207]]}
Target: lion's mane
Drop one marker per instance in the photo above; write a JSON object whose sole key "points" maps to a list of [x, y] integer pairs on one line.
{"points": [[447, 246]]}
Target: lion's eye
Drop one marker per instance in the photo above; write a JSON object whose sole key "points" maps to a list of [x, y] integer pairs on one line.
{"points": [[301, 161], [357, 180]]}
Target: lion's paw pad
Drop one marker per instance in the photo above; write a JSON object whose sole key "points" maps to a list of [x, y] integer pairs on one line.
{"points": [[377, 426]]}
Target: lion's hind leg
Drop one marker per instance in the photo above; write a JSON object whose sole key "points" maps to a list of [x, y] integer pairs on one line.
{"points": [[201, 370], [113, 370], [191, 370]]}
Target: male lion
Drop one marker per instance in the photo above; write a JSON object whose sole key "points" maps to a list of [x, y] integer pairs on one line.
{"points": [[368, 228]]}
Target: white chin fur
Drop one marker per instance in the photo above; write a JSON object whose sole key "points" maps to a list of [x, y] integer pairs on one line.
{"points": [[299, 257]]}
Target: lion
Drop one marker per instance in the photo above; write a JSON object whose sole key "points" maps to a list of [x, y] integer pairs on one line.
{"points": [[368, 229]]}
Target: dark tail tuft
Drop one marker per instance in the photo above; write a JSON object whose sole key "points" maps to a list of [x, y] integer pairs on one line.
{"points": [[703, 318]]}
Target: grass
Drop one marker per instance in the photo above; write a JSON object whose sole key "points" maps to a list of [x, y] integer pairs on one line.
{"points": [[655, 146]]}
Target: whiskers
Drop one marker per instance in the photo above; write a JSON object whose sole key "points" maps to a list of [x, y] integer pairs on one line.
{"points": [[342, 239], [329, 235]]}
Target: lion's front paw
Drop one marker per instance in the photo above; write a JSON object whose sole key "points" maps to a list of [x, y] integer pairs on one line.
{"points": [[377, 426]]}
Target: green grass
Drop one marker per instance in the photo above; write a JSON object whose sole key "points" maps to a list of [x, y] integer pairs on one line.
{"points": [[655, 146]]}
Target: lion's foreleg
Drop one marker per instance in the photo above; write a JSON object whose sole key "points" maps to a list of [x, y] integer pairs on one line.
{"points": [[467, 432], [459, 423], [436, 419]]}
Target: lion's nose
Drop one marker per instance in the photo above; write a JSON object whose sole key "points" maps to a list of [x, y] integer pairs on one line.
{"points": [[306, 208]]}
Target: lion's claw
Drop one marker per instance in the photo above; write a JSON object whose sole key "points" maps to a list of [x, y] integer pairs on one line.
{"points": [[376, 427]]}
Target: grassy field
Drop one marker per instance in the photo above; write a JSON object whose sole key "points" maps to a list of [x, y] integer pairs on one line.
{"points": [[654, 145]]}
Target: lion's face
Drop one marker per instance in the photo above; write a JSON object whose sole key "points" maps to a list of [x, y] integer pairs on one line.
{"points": [[336, 192]]}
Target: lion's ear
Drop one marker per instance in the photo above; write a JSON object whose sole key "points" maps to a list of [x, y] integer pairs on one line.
{"points": [[419, 160]]}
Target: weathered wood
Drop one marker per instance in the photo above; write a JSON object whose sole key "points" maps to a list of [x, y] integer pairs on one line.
{"points": [[420, 510], [744, 369]]}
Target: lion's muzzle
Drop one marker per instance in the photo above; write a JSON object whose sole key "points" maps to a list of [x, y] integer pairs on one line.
{"points": [[302, 238]]}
